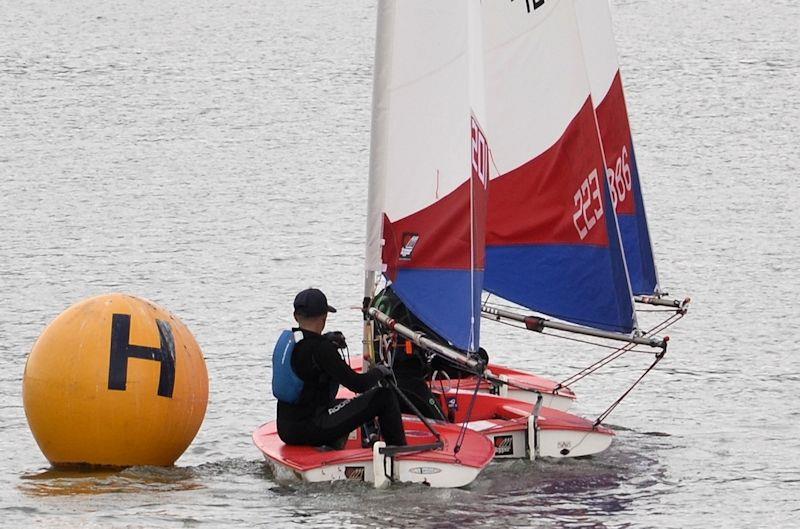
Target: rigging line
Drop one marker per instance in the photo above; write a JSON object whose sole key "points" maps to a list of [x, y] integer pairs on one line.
{"points": [[596, 365], [611, 357], [420, 416], [617, 353], [569, 338], [494, 164], [603, 416], [431, 387], [464, 426], [583, 373], [596, 324], [596, 344], [668, 322], [517, 308], [485, 302], [521, 308]]}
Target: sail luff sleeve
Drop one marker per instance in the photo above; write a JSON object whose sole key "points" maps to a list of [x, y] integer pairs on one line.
{"points": [[381, 97]]}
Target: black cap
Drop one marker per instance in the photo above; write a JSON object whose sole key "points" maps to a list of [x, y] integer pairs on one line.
{"points": [[312, 302]]}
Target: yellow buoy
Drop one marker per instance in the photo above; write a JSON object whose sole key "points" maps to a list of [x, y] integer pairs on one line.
{"points": [[115, 380]]}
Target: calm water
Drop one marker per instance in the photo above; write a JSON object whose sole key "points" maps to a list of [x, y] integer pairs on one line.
{"points": [[212, 156]]}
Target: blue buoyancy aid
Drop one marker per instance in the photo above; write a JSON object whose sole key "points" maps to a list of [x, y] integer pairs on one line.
{"points": [[286, 385]]}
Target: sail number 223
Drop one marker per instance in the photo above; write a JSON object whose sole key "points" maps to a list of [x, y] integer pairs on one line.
{"points": [[588, 205]]}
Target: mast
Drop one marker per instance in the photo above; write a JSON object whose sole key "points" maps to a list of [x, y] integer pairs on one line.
{"points": [[373, 265], [378, 141]]}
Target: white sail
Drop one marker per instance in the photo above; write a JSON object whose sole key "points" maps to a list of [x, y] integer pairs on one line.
{"points": [[599, 48], [552, 243], [427, 105]]}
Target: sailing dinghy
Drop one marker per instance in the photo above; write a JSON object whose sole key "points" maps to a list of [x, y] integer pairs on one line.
{"points": [[563, 241], [427, 206], [547, 149], [380, 465], [553, 239]]}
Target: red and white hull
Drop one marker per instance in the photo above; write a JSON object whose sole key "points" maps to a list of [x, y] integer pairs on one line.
{"points": [[436, 468], [516, 433], [521, 385]]}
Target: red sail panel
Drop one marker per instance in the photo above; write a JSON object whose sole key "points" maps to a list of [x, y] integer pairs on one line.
{"points": [[555, 198], [612, 117]]}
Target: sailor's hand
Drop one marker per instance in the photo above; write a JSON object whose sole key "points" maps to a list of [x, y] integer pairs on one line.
{"points": [[383, 370], [337, 338]]}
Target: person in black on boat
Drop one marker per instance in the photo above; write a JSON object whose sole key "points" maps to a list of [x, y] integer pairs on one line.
{"points": [[318, 418], [411, 365]]}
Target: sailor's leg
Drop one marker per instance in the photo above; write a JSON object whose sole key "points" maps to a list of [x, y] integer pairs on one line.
{"points": [[389, 417], [346, 416]]}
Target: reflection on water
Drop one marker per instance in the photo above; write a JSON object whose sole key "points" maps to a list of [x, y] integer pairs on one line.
{"points": [[57, 481]]}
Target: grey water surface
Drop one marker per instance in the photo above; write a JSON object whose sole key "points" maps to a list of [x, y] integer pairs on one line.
{"points": [[212, 156]]}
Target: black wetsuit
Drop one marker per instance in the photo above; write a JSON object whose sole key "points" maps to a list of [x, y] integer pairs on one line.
{"points": [[413, 371], [318, 418]]}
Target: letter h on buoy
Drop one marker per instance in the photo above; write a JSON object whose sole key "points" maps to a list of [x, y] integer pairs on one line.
{"points": [[121, 350]]}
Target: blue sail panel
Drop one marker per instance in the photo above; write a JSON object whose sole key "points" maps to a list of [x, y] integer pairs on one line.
{"points": [[636, 241], [444, 300], [553, 245], [536, 275]]}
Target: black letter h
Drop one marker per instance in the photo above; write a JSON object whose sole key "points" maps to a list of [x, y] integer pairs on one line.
{"points": [[121, 350]]}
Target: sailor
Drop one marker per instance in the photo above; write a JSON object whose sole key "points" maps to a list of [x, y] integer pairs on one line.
{"points": [[412, 366], [318, 418]]}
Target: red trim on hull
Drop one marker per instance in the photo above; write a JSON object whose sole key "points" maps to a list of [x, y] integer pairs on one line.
{"points": [[512, 415], [476, 451]]}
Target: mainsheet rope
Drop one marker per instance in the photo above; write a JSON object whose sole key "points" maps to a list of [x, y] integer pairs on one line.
{"points": [[618, 352], [463, 432]]}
